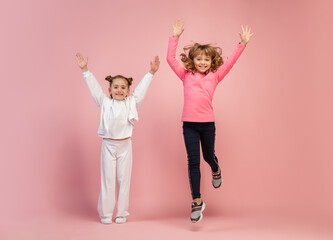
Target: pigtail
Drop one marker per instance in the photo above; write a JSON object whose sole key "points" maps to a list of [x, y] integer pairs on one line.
{"points": [[129, 80], [108, 78]]}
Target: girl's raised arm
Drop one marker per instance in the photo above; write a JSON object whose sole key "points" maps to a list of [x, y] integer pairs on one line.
{"points": [[94, 87], [142, 88], [178, 29], [226, 67]]}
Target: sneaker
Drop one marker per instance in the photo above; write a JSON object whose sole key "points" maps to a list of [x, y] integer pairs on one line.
{"points": [[217, 179], [197, 209], [120, 220], [106, 220]]}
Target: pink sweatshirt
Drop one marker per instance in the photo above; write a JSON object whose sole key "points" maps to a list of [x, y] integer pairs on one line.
{"points": [[199, 88]]}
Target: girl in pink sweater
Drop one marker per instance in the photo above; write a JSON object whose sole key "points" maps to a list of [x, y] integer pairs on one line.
{"points": [[204, 69]]}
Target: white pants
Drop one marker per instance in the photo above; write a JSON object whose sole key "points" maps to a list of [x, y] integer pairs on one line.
{"points": [[116, 160]]}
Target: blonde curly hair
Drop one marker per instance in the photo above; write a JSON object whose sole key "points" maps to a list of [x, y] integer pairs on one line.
{"points": [[190, 52]]}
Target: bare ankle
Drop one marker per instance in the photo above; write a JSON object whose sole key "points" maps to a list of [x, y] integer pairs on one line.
{"points": [[197, 200]]}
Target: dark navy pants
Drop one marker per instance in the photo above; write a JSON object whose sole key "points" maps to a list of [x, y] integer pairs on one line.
{"points": [[194, 134]]}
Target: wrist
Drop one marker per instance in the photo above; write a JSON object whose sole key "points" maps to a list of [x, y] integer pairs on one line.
{"points": [[152, 72], [84, 69], [243, 43]]}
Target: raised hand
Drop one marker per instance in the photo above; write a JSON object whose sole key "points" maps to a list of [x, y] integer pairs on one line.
{"points": [[81, 62], [245, 35], [154, 65], [178, 28]]}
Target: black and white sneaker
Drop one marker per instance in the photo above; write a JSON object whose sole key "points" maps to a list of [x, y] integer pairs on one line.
{"points": [[196, 213], [217, 179]]}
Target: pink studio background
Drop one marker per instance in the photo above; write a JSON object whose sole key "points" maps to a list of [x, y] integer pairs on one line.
{"points": [[274, 110]]}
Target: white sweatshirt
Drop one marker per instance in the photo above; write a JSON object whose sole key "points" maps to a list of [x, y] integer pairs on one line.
{"points": [[117, 117]]}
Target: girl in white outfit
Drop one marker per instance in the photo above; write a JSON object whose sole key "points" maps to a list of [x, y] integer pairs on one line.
{"points": [[118, 113]]}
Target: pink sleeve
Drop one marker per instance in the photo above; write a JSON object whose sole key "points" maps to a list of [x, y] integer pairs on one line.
{"points": [[225, 68], [171, 58]]}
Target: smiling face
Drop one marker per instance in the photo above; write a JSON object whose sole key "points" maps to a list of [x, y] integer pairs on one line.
{"points": [[119, 89], [202, 63]]}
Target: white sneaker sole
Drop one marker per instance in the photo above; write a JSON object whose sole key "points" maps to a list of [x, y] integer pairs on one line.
{"points": [[106, 220], [120, 220]]}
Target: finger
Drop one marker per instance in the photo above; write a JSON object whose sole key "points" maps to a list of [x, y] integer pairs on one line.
{"points": [[78, 59], [175, 23], [242, 28]]}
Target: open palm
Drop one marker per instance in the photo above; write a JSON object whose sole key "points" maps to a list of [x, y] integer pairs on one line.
{"points": [[178, 28], [81, 61], [245, 35], [154, 65]]}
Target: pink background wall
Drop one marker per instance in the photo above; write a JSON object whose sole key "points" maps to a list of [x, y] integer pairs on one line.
{"points": [[274, 110]]}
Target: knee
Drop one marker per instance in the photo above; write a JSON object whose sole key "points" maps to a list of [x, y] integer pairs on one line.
{"points": [[208, 158]]}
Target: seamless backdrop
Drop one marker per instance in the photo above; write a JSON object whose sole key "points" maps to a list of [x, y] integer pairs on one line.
{"points": [[274, 110]]}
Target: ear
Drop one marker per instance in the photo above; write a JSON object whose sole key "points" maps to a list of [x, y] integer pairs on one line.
{"points": [[109, 90]]}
